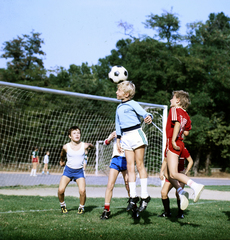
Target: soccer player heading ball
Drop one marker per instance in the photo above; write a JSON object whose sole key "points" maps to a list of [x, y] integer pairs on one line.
{"points": [[133, 141]]}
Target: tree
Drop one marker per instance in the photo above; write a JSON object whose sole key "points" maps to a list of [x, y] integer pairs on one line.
{"points": [[24, 52], [167, 25]]}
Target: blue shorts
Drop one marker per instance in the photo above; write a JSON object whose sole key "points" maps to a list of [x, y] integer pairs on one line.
{"points": [[73, 174], [118, 163]]}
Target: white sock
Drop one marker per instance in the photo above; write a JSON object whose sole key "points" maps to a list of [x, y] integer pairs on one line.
{"points": [[132, 188], [81, 206], [63, 204], [144, 191], [192, 184], [180, 190], [34, 172]]}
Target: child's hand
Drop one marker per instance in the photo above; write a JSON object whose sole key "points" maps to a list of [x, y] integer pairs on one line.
{"points": [[62, 164], [119, 149], [175, 146], [148, 119], [161, 176]]}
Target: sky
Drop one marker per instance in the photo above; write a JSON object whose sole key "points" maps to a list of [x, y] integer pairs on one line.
{"points": [[80, 31]]}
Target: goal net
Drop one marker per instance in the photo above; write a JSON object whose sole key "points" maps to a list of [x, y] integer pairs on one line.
{"points": [[32, 116]]}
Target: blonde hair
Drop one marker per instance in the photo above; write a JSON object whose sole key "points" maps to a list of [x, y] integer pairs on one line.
{"points": [[184, 98], [127, 87]]}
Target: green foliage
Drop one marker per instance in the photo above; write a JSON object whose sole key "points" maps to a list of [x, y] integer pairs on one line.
{"points": [[24, 51], [157, 68]]}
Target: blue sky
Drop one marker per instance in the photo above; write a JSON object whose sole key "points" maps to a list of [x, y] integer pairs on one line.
{"points": [[77, 31]]}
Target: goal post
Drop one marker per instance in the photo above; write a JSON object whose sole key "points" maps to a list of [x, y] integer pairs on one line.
{"points": [[34, 116]]}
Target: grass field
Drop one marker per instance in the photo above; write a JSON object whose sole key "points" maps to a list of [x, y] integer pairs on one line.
{"points": [[34, 217]]}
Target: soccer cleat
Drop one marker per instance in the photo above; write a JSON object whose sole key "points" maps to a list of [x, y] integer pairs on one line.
{"points": [[80, 211], [64, 210], [165, 214], [135, 214], [180, 215], [143, 203], [184, 196], [132, 203], [197, 192], [105, 215]]}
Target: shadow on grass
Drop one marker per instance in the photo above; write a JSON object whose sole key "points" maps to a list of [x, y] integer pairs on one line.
{"points": [[182, 222], [228, 214], [89, 208]]}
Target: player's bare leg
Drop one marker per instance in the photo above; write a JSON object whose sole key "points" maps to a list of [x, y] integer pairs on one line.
{"points": [[165, 199], [139, 157], [113, 173], [130, 156], [172, 163], [82, 193], [61, 192], [126, 180]]}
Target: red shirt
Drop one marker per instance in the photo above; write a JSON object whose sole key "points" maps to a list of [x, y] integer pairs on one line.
{"points": [[177, 114]]}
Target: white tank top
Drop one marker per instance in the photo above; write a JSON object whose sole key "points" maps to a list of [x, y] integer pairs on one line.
{"points": [[75, 159]]}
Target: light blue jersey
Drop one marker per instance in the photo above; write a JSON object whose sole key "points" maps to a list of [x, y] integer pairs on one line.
{"points": [[128, 115]]}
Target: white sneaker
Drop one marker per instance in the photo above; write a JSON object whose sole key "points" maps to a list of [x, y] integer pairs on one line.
{"points": [[34, 175], [197, 192], [184, 200]]}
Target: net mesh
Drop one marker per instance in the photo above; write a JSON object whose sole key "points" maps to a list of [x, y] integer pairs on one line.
{"points": [[29, 119]]}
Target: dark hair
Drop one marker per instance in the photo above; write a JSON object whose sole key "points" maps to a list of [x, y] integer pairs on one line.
{"points": [[72, 129]]}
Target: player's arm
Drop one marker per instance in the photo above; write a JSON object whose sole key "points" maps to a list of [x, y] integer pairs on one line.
{"points": [[63, 156], [163, 166], [190, 163], [176, 130], [141, 112], [119, 149], [89, 146], [110, 138]]}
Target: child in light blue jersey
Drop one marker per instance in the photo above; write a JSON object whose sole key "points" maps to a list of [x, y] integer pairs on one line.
{"points": [[133, 141]]}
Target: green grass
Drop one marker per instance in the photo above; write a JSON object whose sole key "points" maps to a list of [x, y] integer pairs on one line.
{"points": [[34, 217]]}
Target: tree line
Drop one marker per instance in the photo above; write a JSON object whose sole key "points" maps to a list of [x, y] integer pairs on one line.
{"points": [[197, 62]]}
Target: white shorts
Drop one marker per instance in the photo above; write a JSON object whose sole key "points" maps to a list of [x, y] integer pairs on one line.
{"points": [[133, 139]]}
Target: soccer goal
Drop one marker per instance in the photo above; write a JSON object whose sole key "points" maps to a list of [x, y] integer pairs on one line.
{"points": [[34, 116]]}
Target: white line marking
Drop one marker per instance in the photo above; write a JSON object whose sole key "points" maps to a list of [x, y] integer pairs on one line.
{"points": [[155, 206]]}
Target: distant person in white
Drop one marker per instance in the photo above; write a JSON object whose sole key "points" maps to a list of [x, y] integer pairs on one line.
{"points": [[46, 161]]}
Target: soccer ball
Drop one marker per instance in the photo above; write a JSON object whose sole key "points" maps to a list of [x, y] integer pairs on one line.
{"points": [[118, 74]]}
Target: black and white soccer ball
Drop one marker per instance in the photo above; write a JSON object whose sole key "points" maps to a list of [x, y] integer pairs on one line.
{"points": [[118, 74]]}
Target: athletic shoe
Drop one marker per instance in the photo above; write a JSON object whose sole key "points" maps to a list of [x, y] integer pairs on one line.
{"points": [[143, 203], [180, 215], [136, 213], [80, 211], [105, 215], [197, 192], [184, 200], [48, 173], [132, 202], [64, 210], [165, 214], [43, 173]]}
